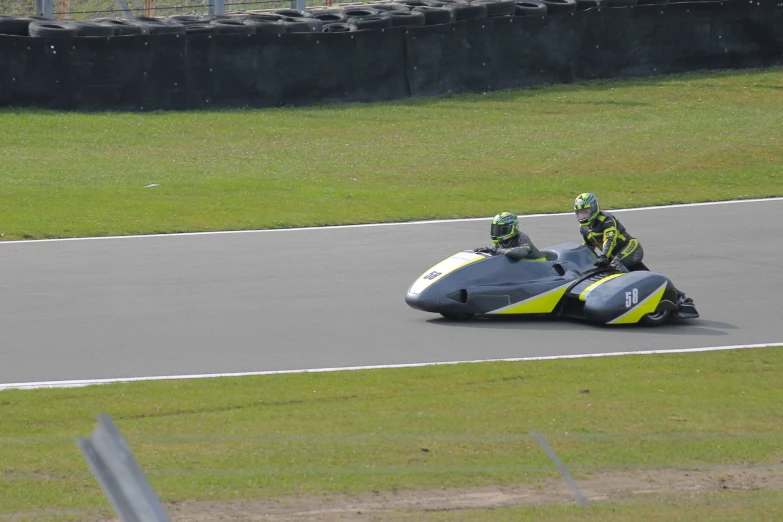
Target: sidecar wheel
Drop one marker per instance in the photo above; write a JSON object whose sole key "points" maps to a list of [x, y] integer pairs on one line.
{"points": [[655, 318], [457, 317]]}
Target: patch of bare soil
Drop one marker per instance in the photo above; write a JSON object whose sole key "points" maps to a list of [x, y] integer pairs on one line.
{"points": [[616, 485]]}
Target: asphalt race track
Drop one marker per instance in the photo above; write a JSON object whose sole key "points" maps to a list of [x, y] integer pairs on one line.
{"points": [[325, 298]]}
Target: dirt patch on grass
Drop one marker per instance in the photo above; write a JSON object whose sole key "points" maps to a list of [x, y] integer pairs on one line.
{"points": [[615, 485]]}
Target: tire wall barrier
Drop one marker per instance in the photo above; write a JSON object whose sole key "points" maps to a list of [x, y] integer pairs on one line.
{"points": [[191, 71], [498, 53]]}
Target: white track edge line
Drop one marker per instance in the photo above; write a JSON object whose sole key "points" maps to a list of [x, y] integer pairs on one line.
{"points": [[90, 382], [395, 224]]}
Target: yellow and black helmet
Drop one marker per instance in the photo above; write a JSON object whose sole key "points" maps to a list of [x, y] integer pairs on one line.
{"points": [[586, 208], [504, 227]]}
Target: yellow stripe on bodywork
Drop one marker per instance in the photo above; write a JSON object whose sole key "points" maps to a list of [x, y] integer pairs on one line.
{"points": [[590, 288], [647, 306], [540, 304], [445, 267]]}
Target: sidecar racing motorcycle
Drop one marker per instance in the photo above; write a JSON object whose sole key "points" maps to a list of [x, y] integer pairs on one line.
{"points": [[567, 284]]}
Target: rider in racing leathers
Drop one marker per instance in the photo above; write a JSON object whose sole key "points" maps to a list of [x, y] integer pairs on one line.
{"points": [[602, 231], [509, 241]]}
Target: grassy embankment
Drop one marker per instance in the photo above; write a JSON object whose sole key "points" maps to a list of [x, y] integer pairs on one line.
{"points": [[675, 139], [353, 432]]}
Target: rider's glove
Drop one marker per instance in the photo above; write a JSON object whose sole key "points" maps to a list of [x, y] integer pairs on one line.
{"points": [[482, 250], [601, 262]]}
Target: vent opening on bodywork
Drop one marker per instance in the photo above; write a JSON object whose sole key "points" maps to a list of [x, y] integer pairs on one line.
{"points": [[559, 269], [460, 296], [572, 308]]}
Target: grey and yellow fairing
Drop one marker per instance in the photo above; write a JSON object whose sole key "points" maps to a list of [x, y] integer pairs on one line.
{"points": [[566, 284], [474, 283], [443, 268], [624, 298], [424, 294]]}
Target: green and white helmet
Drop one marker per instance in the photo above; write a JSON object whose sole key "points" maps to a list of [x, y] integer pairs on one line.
{"points": [[504, 227], [586, 208]]}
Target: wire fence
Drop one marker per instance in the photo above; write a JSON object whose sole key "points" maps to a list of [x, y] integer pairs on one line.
{"points": [[88, 9]]}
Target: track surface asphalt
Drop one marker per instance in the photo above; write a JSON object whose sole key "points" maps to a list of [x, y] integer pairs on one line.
{"points": [[325, 298]]}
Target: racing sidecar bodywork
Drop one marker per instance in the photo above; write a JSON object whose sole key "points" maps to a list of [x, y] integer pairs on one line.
{"points": [[566, 284]]}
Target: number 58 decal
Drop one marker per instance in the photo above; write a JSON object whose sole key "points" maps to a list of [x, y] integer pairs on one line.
{"points": [[631, 298]]}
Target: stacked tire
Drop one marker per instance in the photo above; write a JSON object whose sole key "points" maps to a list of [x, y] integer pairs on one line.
{"points": [[348, 18], [46, 28], [530, 8], [560, 6]]}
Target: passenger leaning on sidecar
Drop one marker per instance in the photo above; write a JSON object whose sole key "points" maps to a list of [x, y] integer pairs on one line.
{"points": [[602, 231], [509, 241]]}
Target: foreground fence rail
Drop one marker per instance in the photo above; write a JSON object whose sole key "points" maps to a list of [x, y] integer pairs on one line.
{"points": [[121, 478]]}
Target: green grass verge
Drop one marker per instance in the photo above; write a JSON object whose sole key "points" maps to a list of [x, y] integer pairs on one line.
{"points": [[352, 432], [687, 138]]}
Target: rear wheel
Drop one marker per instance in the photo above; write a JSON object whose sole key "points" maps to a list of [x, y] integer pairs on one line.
{"points": [[655, 318], [457, 317]]}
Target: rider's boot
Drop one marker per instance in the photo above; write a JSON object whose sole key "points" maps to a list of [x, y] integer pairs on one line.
{"points": [[686, 308]]}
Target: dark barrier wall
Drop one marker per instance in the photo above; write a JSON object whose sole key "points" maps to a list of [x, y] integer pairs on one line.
{"points": [[180, 72], [198, 71], [499, 53]]}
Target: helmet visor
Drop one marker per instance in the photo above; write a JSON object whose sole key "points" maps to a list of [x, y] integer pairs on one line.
{"points": [[500, 230], [584, 213]]}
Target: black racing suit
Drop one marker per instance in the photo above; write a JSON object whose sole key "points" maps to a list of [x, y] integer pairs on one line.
{"points": [[518, 247], [613, 241]]}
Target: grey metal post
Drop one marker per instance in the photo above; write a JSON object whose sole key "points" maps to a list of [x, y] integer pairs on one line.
{"points": [[38, 7], [120, 476], [562, 467], [125, 9], [220, 7], [301, 5], [47, 9]]}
